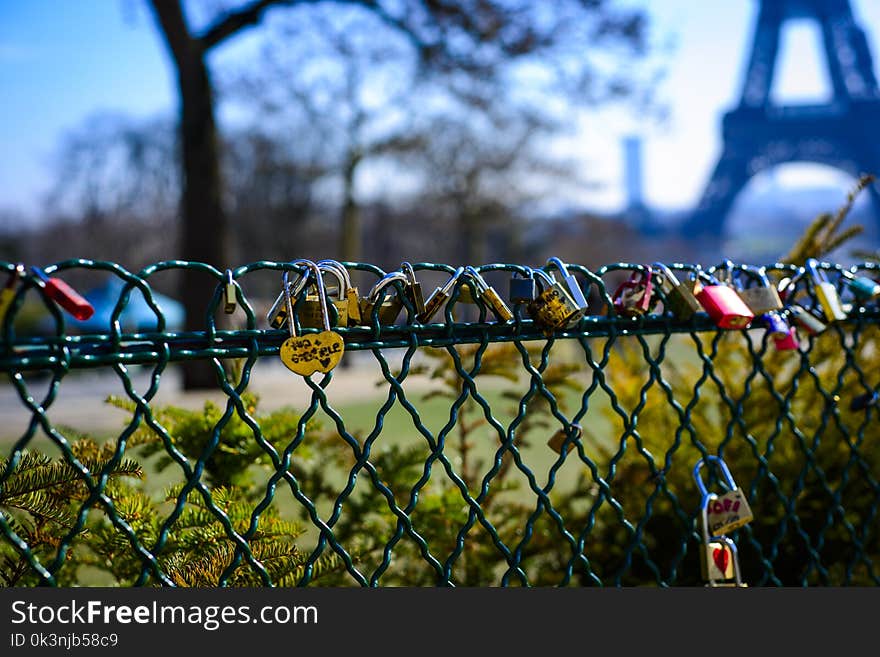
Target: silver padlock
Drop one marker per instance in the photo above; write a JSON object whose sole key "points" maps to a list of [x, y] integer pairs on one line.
{"points": [[571, 283]]}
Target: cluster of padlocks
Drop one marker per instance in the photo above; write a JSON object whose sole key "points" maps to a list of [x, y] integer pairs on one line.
{"points": [[734, 296], [719, 516]]}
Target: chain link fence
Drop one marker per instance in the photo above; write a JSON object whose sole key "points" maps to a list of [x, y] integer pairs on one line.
{"points": [[461, 450]]}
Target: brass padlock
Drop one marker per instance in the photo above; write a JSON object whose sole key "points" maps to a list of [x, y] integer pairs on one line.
{"points": [[572, 286], [315, 352], [826, 293], [413, 289], [7, 293], [762, 298], [485, 293], [557, 440], [311, 314], [351, 292], [229, 294], [277, 315], [679, 296], [553, 308], [439, 296], [391, 304]]}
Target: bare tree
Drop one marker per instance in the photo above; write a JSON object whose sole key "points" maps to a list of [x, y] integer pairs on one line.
{"points": [[473, 37]]}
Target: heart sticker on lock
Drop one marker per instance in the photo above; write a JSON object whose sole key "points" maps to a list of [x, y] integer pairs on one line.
{"points": [[721, 557], [307, 354]]}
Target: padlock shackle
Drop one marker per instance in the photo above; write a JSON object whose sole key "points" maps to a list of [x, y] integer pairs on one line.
{"points": [[382, 283], [812, 268], [728, 478], [557, 262], [548, 278], [410, 273], [666, 273], [337, 267], [342, 284], [453, 279], [477, 277], [17, 273]]}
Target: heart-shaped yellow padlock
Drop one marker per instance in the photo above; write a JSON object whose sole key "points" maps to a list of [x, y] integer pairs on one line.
{"points": [[307, 354], [318, 352]]}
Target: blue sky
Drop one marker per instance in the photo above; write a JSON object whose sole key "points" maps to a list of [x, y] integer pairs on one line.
{"points": [[61, 61]]}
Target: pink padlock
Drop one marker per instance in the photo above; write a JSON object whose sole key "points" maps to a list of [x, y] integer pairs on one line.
{"points": [[786, 341]]}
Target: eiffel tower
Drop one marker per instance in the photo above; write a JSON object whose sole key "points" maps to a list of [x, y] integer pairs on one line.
{"points": [[758, 135]]}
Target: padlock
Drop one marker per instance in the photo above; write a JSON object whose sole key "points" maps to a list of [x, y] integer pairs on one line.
{"points": [[557, 440], [7, 294], [805, 319], [413, 289], [571, 283], [634, 296], [64, 295], [229, 294], [679, 297], [523, 288], [390, 306], [554, 308], [719, 563], [487, 295], [315, 352], [277, 315], [762, 298], [724, 306], [439, 296], [863, 401], [826, 293], [863, 288], [311, 315], [351, 292], [722, 513], [784, 335]]}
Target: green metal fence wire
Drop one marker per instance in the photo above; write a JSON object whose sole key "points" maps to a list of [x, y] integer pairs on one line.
{"points": [[401, 498]]}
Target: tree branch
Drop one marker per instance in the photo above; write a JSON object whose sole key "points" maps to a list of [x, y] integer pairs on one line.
{"points": [[234, 21]]}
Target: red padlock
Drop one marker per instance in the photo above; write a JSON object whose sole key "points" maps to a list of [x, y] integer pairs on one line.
{"points": [[633, 297], [724, 306], [64, 295]]}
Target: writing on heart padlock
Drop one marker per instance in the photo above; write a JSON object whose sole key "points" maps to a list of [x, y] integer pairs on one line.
{"points": [[634, 296], [826, 293], [485, 293], [7, 293], [553, 308], [439, 297], [679, 296], [722, 303], [722, 513], [313, 352], [353, 305]]}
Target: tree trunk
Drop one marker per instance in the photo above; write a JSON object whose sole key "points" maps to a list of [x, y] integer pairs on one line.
{"points": [[204, 227], [350, 237]]}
